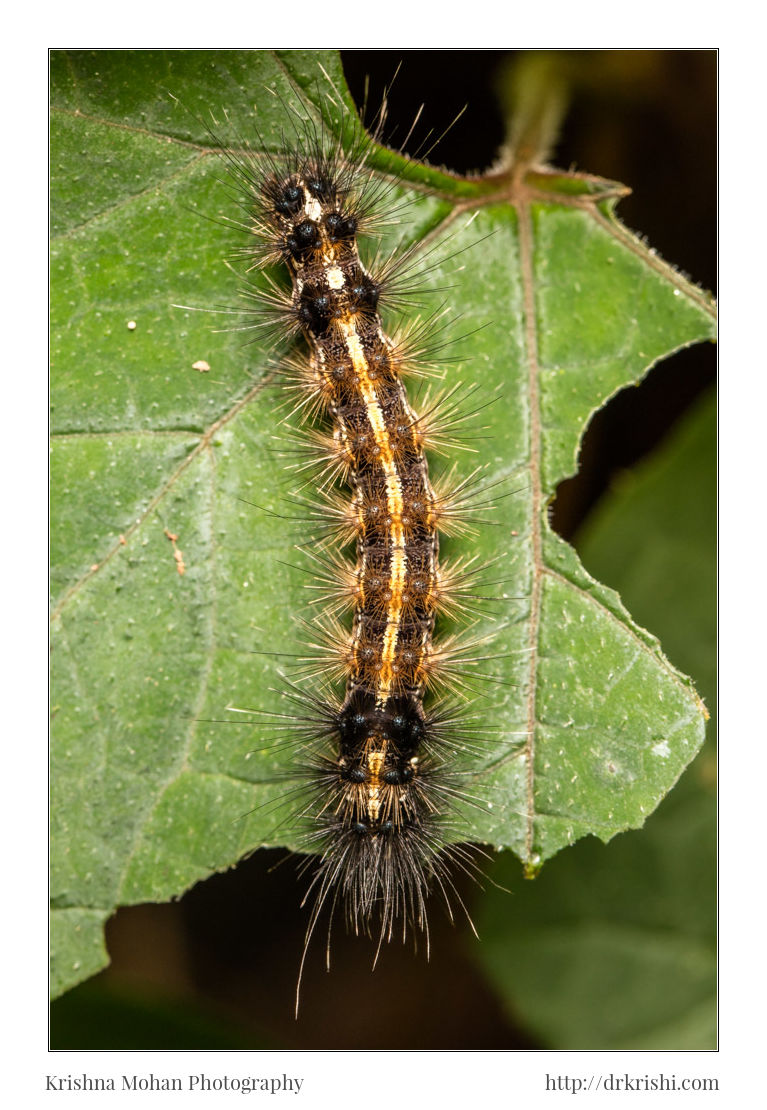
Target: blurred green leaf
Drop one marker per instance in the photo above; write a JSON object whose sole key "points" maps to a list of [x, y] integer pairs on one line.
{"points": [[654, 541], [104, 1017], [154, 458], [614, 946]]}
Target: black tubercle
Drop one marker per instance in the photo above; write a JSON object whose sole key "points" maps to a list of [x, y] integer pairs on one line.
{"points": [[319, 305], [354, 774], [339, 227], [303, 241], [364, 294], [321, 187], [400, 722], [409, 832], [288, 198], [315, 310], [399, 776]]}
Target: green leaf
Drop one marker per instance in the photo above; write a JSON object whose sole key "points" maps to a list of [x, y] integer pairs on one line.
{"points": [[654, 541], [153, 460], [104, 1016], [614, 946]]}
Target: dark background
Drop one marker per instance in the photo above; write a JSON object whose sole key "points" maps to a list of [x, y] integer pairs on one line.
{"points": [[217, 969]]}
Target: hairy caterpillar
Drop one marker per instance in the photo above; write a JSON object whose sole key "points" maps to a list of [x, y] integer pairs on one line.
{"points": [[376, 757]]}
